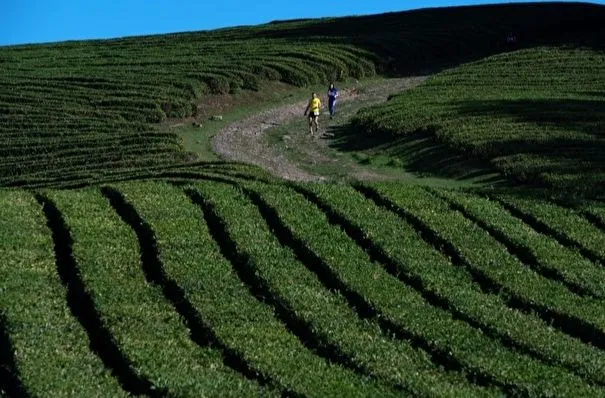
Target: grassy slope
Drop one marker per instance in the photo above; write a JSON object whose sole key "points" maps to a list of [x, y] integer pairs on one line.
{"points": [[536, 115], [342, 155], [87, 109], [529, 326], [470, 326]]}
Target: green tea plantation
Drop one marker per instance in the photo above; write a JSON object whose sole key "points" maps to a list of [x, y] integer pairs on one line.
{"points": [[130, 266]]}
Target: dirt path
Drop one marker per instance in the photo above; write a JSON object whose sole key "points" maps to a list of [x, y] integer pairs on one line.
{"points": [[244, 140]]}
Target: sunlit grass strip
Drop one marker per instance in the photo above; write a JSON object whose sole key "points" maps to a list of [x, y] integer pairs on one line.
{"points": [[408, 311], [145, 327], [482, 254], [563, 224], [50, 348], [224, 292], [341, 331], [401, 249], [565, 263]]}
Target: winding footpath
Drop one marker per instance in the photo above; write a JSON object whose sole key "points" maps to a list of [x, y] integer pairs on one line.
{"points": [[244, 140]]}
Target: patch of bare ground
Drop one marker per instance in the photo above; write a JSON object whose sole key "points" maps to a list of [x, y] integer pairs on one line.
{"points": [[244, 140]]}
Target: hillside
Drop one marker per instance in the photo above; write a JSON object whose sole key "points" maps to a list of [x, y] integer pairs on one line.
{"points": [[132, 267], [536, 115], [87, 111], [233, 286]]}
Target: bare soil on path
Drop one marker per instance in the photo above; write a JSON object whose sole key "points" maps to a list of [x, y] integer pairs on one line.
{"points": [[245, 140]]}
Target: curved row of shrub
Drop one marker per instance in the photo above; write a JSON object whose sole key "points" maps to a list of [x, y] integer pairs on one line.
{"points": [[125, 85], [327, 319], [99, 89], [46, 351], [536, 115], [412, 257], [238, 286]]}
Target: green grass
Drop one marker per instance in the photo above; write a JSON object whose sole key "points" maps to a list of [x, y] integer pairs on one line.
{"points": [[404, 253], [124, 98], [335, 326], [47, 351], [191, 276], [402, 305], [245, 287], [490, 260], [533, 115], [581, 235], [288, 358], [113, 93], [135, 307], [566, 264]]}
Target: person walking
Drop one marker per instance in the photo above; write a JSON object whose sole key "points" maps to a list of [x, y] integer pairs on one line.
{"points": [[332, 95], [313, 109]]}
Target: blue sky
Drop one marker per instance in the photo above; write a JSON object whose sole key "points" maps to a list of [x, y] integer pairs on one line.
{"points": [[39, 21]]}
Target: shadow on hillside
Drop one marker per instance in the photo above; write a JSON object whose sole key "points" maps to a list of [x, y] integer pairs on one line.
{"points": [[577, 200], [597, 94], [10, 383], [419, 153], [574, 115], [563, 139], [415, 42], [546, 143], [568, 129]]}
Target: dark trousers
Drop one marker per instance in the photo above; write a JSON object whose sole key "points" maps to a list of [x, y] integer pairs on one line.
{"points": [[332, 106]]}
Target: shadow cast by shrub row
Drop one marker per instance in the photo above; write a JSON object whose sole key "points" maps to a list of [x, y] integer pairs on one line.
{"points": [[543, 228], [258, 288], [358, 304], [82, 307], [10, 381], [200, 333], [523, 254], [378, 255], [570, 325]]}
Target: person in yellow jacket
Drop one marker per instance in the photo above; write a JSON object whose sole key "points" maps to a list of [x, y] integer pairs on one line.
{"points": [[313, 109]]}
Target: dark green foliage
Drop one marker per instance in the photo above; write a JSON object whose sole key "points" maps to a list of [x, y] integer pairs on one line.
{"points": [[118, 87], [494, 265], [551, 258], [394, 242], [536, 115], [567, 226], [227, 295], [329, 324], [45, 350], [241, 287], [414, 315], [125, 85], [119, 274]]}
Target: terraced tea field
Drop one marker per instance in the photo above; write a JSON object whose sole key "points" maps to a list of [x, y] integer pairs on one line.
{"points": [[535, 115], [131, 267], [245, 287], [89, 110]]}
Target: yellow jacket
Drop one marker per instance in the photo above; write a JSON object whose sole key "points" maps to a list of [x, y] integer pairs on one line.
{"points": [[314, 106]]}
